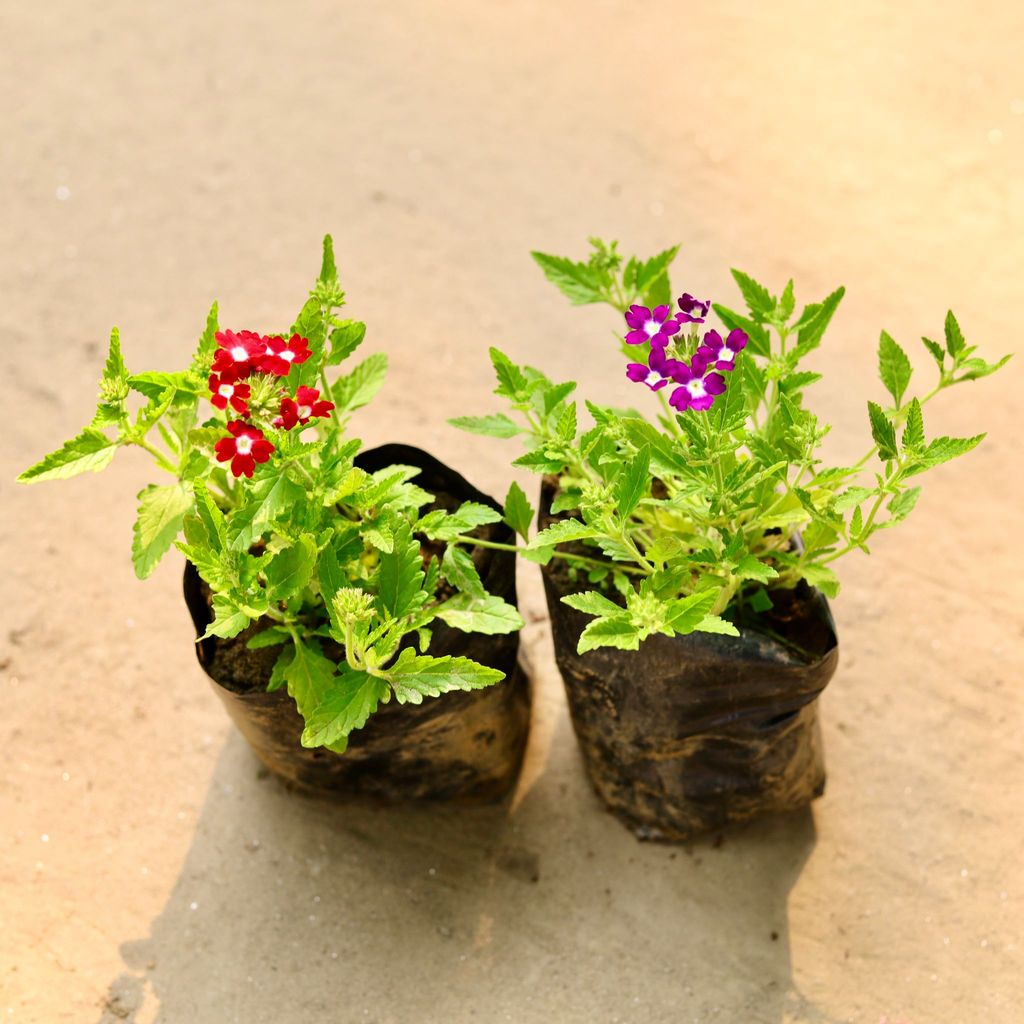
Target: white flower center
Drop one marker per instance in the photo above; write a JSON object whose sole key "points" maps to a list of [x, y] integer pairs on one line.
{"points": [[305, 411], [652, 327], [726, 355], [287, 355], [696, 387], [652, 378], [226, 390], [239, 354], [243, 445]]}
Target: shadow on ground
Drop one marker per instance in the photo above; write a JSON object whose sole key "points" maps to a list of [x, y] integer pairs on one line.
{"points": [[289, 909]]}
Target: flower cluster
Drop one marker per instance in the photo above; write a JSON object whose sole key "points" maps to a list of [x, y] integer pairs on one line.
{"points": [[699, 382], [240, 355]]}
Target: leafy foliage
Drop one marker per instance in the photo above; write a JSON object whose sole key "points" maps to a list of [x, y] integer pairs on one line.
{"points": [[680, 522], [312, 547]]}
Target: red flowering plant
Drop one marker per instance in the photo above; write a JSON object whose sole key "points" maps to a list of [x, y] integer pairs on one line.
{"points": [[691, 518], [268, 505]]}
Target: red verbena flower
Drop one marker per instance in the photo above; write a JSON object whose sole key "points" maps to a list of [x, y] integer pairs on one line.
{"points": [[238, 353], [279, 355], [225, 389], [302, 408], [245, 447]]}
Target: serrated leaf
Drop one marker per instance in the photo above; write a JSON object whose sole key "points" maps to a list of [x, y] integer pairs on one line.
{"points": [[228, 619], [565, 428], [203, 356], [553, 396], [272, 636], [380, 537], [616, 631], [310, 676], [759, 341], [786, 304], [902, 505], [633, 482], [512, 382], [496, 425], [652, 284], [936, 350], [942, 449], [358, 388], [954, 336], [539, 461], [716, 624], [488, 614], [401, 574], [851, 498], [561, 532], [328, 268], [814, 320], [894, 367], [161, 512], [90, 451], [684, 614], [414, 677], [211, 517], [344, 340], [353, 697], [290, 570], [518, 511], [913, 433], [823, 578], [883, 432], [756, 296], [975, 369], [466, 517], [284, 659], [750, 567], [458, 569], [578, 282], [591, 602], [156, 385], [265, 501]]}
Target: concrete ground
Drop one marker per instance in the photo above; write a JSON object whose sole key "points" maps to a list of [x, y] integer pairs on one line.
{"points": [[156, 156]]}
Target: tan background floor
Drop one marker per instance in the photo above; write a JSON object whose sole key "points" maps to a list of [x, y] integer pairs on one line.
{"points": [[156, 156]]}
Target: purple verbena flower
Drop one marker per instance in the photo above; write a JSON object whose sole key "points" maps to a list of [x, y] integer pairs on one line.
{"points": [[656, 372], [654, 325], [722, 354], [699, 388], [693, 310]]}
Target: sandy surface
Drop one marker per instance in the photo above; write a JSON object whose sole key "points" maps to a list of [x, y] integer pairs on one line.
{"points": [[156, 156]]}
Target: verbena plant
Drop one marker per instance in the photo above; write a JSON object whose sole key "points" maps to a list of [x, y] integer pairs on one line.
{"points": [[266, 502], [693, 518]]}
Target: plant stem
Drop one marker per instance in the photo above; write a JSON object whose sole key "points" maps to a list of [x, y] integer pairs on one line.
{"points": [[161, 459], [595, 563]]}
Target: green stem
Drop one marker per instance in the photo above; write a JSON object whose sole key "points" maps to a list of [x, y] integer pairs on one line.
{"points": [[161, 459]]}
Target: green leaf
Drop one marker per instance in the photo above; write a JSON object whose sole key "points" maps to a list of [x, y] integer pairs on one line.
{"points": [[561, 532], [328, 268], [902, 505], [814, 320], [353, 698], [851, 498], [272, 636], [633, 482], [557, 394], [211, 516], [893, 367], [685, 614], [161, 511], [518, 511], [975, 369], [488, 614], [290, 570], [330, 572], [401, 574], [759, 339], [156, 385], [652, 278], [954, 336], [565, 428], [284, 659], [756, 296], [228, 619], [91, 451], [203, 357], [883, 432], [716, 624], [942, 449], [467, 516], [591, 602], [458, 569], [936, 350], [414, 677], [344, 340], [540, 461], [512, 382], [310, 677], [496, 425], [578, 282], [358, 388], [616, 631], [265, 501], [111, 410], [750, 567], [823, 578], [913, 433], [786, 304]]}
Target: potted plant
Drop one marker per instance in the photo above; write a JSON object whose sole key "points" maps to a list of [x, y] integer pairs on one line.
{"points": [[688, 557], [349, 612]]}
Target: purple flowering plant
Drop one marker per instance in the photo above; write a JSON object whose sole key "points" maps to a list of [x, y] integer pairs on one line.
{"points": [[298, 547], [690, 518]]}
